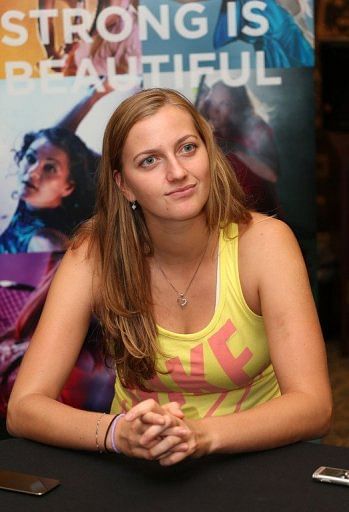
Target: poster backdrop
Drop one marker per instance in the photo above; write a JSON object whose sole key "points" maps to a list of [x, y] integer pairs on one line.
{"points": [[64, 67]]}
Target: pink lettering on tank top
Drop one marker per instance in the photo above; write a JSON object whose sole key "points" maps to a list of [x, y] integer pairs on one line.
{"points": [[243, 398], [216, 404], [195, 380], [232, 366], [138, 395], [174, 396]]}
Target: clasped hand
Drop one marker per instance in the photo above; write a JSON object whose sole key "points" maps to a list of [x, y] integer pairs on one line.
{"points": [[155, 432]]}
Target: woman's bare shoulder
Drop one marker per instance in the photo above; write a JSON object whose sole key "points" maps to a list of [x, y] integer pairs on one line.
{"points": [[79, 266], [266, 242], [79, 255], [269, 259], [263, 228]]}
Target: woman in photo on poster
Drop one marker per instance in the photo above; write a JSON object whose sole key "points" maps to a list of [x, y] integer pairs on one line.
{"points": [[216, 350], [98, 50], [288, 41], [246, 139], [56, 172]]}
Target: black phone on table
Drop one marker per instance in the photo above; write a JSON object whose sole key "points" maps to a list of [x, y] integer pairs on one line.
{"points": [[26, 483]]}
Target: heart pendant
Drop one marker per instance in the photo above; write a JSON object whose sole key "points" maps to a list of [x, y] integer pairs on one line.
{"points": [[182, 301]]}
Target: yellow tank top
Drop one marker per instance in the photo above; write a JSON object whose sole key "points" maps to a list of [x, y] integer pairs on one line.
{"points": [[222, 369]]}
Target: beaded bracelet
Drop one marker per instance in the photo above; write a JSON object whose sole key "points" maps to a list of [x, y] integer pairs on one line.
{"points": [[115, 421], [97, 432]]}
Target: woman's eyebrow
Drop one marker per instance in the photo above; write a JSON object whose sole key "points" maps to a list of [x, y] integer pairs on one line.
{"points": [[154, 150], [47, 157], [190, 135], [145, 152]]}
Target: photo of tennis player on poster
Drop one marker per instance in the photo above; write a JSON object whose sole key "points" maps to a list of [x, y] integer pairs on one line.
{"points": [[49, 166]]}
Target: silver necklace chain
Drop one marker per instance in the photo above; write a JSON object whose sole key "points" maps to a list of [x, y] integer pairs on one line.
{"points": [[182, 299]]}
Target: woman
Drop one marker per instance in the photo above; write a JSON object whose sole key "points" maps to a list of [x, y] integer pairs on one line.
{"points": [[233, 118], [98, 49], [247, 140], [287, 42], [215, 350], [56, 172], [56, 191]]}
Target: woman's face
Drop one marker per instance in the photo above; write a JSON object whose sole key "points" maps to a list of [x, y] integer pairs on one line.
{"points": [[44, 175], [165, 166], [219, 109]]}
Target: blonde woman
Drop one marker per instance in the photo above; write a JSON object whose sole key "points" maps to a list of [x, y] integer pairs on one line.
{"points": [[205, 306]]}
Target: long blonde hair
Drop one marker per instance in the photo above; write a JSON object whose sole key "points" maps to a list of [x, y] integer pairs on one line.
{"points": [[121, 243]]}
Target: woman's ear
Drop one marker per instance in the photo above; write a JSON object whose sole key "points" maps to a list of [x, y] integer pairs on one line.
{"points": [[69, 189], [122, 186]]}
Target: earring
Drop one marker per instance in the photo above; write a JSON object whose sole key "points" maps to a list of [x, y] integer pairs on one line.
{"points": [[134, 205]]}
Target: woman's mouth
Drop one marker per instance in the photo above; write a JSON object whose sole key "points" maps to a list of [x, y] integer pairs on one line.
{"points": [[182, 191], [29, 185]]}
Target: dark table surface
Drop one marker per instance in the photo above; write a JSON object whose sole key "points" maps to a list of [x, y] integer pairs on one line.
{"points": [[276, 480]]}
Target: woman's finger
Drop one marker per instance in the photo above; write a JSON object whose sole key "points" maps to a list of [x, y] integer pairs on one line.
{"points": [[180, 447], [174, 408], [166, 445], [156, 432], [164, 430], [142, 408], [153, 418], [173, 458]]}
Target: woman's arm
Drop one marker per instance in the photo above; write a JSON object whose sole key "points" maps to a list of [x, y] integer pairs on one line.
{"points": [[275, 283], [74, 117], [50, 47]]}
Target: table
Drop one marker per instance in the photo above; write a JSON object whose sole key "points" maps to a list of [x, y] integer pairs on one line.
{"points": [[276, 480]]}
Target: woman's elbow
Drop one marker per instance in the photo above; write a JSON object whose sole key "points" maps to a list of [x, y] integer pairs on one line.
{"points": [[324, 417], [14, 420], [11, 422]]}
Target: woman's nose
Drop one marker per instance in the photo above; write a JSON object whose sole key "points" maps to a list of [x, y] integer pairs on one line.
{"points": [[175, 169], [34, 170]]}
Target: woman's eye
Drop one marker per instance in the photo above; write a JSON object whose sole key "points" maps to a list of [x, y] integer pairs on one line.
{"points": [[49, 168], [150, 160], [31, 159], [189, 148]]}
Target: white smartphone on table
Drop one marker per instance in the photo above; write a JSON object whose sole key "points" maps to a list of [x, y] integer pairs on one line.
{"points": [[332, 475]]}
